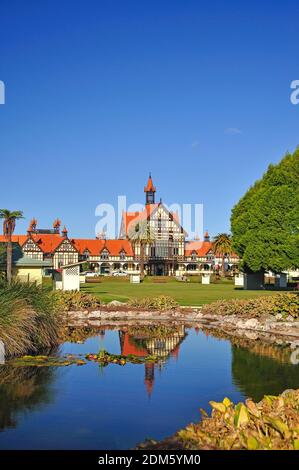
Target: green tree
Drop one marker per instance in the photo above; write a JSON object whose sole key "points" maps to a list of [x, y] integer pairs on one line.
{"points": [[9, 223], [265, 222], [222, 247]]}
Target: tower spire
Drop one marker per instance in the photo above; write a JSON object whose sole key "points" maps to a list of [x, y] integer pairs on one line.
{"points": [[150, 190]]}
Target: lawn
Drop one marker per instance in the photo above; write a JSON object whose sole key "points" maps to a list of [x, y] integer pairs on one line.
{"points": [[192, 293]]}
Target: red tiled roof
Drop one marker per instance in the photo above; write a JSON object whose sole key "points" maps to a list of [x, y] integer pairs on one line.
{"points": [[47, 242], [130, 219], [20, 239], [200, 247], [96, 246]]}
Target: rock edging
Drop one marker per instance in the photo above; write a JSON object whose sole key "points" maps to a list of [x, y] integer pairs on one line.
{"points": [[272, 325]]}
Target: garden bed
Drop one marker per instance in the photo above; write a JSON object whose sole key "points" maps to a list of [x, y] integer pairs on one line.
{"points": [[271, 424]]}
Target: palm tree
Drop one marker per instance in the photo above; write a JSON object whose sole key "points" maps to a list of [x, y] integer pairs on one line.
{"points": [[222, 246], [9, 224], [141, 233]]}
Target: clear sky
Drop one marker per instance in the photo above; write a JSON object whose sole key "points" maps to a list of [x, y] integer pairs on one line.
{"points": [[99, 93]]}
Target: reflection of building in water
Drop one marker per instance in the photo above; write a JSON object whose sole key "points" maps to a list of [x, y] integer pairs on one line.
{"points": [[144, 345], [149, 377], [165, 346]]}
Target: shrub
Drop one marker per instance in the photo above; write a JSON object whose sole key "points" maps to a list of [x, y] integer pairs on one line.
{"points": [[273, 423], [162, 302], [285, 304], [75, 300]]}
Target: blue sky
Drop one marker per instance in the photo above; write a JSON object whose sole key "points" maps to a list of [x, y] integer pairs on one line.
{"points": [[99, 93]]}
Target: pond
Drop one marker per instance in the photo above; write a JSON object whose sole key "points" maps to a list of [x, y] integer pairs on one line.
{"points": [[116, 407]]}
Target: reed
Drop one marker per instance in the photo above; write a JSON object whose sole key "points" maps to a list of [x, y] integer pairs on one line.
{"points": [[29, 318]]}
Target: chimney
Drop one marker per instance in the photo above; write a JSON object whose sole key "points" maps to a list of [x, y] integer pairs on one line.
{"points": [[32, 226], [56, 225], [206, 236]]}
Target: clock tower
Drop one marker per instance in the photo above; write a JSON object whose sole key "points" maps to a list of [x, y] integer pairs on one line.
{"points": [[149, 190]]}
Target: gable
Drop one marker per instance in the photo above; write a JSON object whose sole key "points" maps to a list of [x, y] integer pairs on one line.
{"points": [[31, 245], [160, 212], [153, 213], [66, 247]]}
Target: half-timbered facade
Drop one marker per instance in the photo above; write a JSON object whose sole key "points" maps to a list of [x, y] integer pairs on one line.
{"points": [[152, 238], [155, 234], [106, 256], [49, 244], [200, 258]]}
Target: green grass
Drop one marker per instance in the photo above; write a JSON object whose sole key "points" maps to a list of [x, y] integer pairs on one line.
{"points": [[192, 293]]}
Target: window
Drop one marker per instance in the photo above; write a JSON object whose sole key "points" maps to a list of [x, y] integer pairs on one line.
{"points": [[86, 254], [193, 255], [105, 254], [162, 249], [122, 255]]}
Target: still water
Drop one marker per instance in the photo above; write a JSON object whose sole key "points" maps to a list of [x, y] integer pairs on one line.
{"points": [[116, 407]]}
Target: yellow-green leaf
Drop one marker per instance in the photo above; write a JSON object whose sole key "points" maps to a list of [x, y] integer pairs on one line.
{"points": [[241, 415], [218, 406], [270, 398], [296, 444], [279, 425], [227, 402], [252, 443]]}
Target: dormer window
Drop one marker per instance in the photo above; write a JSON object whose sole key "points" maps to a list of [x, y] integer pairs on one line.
{"points": [[105, 254], [86, 254], [194, 255], [122, 255]]}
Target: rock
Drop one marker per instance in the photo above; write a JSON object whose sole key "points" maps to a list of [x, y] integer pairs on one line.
{"points": [[252, 323], [251, 335], [240, 324], [278, 316], [197, 314], [268, 325], [287, 391], [290, 318], [77, 314], [94, 314]]}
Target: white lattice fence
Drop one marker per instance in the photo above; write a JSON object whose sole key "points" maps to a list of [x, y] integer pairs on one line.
{"points": [[71, 278]]}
